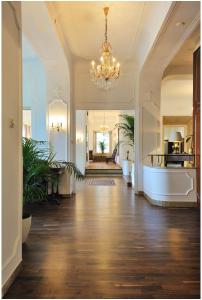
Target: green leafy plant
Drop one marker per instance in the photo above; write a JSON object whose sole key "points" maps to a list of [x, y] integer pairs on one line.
{"points": [[102, 146], [127, 128], [38, 159]]}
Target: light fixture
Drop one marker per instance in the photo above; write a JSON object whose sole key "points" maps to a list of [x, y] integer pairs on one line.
{"points": [[180, 24], [79, 138], [104, 127], [176, 138], [56, 125], [105, 73]]}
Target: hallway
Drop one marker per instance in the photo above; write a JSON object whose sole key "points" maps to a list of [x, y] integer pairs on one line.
{"points": [[107, 243]]}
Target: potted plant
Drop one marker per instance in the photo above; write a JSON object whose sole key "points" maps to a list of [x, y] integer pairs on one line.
{"points": [[37, 163], [127, 128], [102, 146]]}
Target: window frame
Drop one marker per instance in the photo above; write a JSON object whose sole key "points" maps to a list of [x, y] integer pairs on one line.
{"points": [[94, 141]]}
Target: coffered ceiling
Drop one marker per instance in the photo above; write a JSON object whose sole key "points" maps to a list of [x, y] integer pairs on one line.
{"points": [[83, 26]]}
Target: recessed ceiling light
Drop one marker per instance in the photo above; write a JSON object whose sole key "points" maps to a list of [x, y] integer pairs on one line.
{"points": [[180, 24]]}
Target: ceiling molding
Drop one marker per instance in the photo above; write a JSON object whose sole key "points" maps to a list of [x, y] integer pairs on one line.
{"points": [[177, 75]]}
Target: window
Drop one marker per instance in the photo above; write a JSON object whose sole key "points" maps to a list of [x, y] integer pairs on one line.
{"points": [[102, 137]]}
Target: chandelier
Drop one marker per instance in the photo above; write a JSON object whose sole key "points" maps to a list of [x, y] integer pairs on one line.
{"points": [[105, 73], [104, 128]]}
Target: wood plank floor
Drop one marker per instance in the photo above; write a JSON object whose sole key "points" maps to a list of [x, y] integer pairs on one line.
{"points": [[108, 243]]}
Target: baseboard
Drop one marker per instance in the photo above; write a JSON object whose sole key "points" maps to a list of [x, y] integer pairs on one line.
{"points": [[11, 279], [170, 203], [141, 193], [66, 195]]}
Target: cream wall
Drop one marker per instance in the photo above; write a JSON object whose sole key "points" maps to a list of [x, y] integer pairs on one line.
{"points": [[177, 100], [88, 96], [11, 139], [177, 95]]}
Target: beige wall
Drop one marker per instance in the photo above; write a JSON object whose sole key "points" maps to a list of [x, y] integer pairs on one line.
{"points": [[88, 96], [177, 95], [11, 139]]}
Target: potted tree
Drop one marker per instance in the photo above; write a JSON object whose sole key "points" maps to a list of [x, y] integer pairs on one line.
{"points": [[102, 146], [127, 128], [37, 163]]}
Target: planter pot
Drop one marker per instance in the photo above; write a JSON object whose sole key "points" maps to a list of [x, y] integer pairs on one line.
{"points": [[126, 166], [66, 183], [26, 225]]}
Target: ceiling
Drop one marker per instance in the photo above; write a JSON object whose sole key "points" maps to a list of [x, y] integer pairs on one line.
{"points": [[185, 55], [83, 26], [176, 120], [39, 37]]}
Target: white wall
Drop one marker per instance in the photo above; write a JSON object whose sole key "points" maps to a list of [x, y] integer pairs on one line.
{"points": [[11, 140], [81, 140], [170, 185], [34, 94]]}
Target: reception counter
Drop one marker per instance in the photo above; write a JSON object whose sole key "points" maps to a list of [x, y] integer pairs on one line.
{"points": [[172, 187]]}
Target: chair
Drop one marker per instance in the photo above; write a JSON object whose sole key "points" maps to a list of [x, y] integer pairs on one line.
{"points": [[113, 157]]}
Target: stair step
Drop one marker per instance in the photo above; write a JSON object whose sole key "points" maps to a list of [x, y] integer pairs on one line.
{"points": [[103, 171]]}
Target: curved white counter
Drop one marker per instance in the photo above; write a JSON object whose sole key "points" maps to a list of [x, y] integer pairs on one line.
{"points": [[170, 186]]}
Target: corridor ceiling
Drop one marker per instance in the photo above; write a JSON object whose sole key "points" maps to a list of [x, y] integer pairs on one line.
{"points": [[185, 55], [83, 24]]}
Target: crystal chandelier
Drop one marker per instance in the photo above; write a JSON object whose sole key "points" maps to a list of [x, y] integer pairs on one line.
{"points": [[105, 73], [104, 128]]}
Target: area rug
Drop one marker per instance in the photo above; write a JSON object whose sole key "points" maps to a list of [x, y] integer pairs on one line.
{"points": [[98, 181]]}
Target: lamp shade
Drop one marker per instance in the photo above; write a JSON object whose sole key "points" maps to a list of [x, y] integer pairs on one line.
{"points": [[176, 136]]}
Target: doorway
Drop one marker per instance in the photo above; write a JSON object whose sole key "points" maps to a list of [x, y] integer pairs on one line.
{"points": [[101, 146]]}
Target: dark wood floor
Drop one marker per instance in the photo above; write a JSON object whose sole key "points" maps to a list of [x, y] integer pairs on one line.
{"points": [[107, 243]]}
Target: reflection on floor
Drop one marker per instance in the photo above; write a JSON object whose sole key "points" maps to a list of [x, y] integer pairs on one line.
{"points": [[106, 242], [102, 166]]}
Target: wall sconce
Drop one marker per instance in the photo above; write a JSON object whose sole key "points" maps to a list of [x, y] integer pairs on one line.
{"points": [[57, 125], [79, 139]]}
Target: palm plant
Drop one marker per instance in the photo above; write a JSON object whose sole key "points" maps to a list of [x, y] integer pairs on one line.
{"points": [[127, 128], [102, 146], [38, 160]]}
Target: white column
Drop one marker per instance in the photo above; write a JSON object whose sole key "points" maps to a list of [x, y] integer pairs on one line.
{"points": [[11, 139]]}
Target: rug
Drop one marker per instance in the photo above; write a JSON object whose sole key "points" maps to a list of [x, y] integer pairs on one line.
{"points": [[98, 181]]}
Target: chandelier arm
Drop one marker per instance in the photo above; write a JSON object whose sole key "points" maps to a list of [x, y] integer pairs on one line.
{"points": [[106, 29]]}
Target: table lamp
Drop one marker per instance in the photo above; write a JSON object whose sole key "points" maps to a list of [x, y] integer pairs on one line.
{"points": [[176, 138]]}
